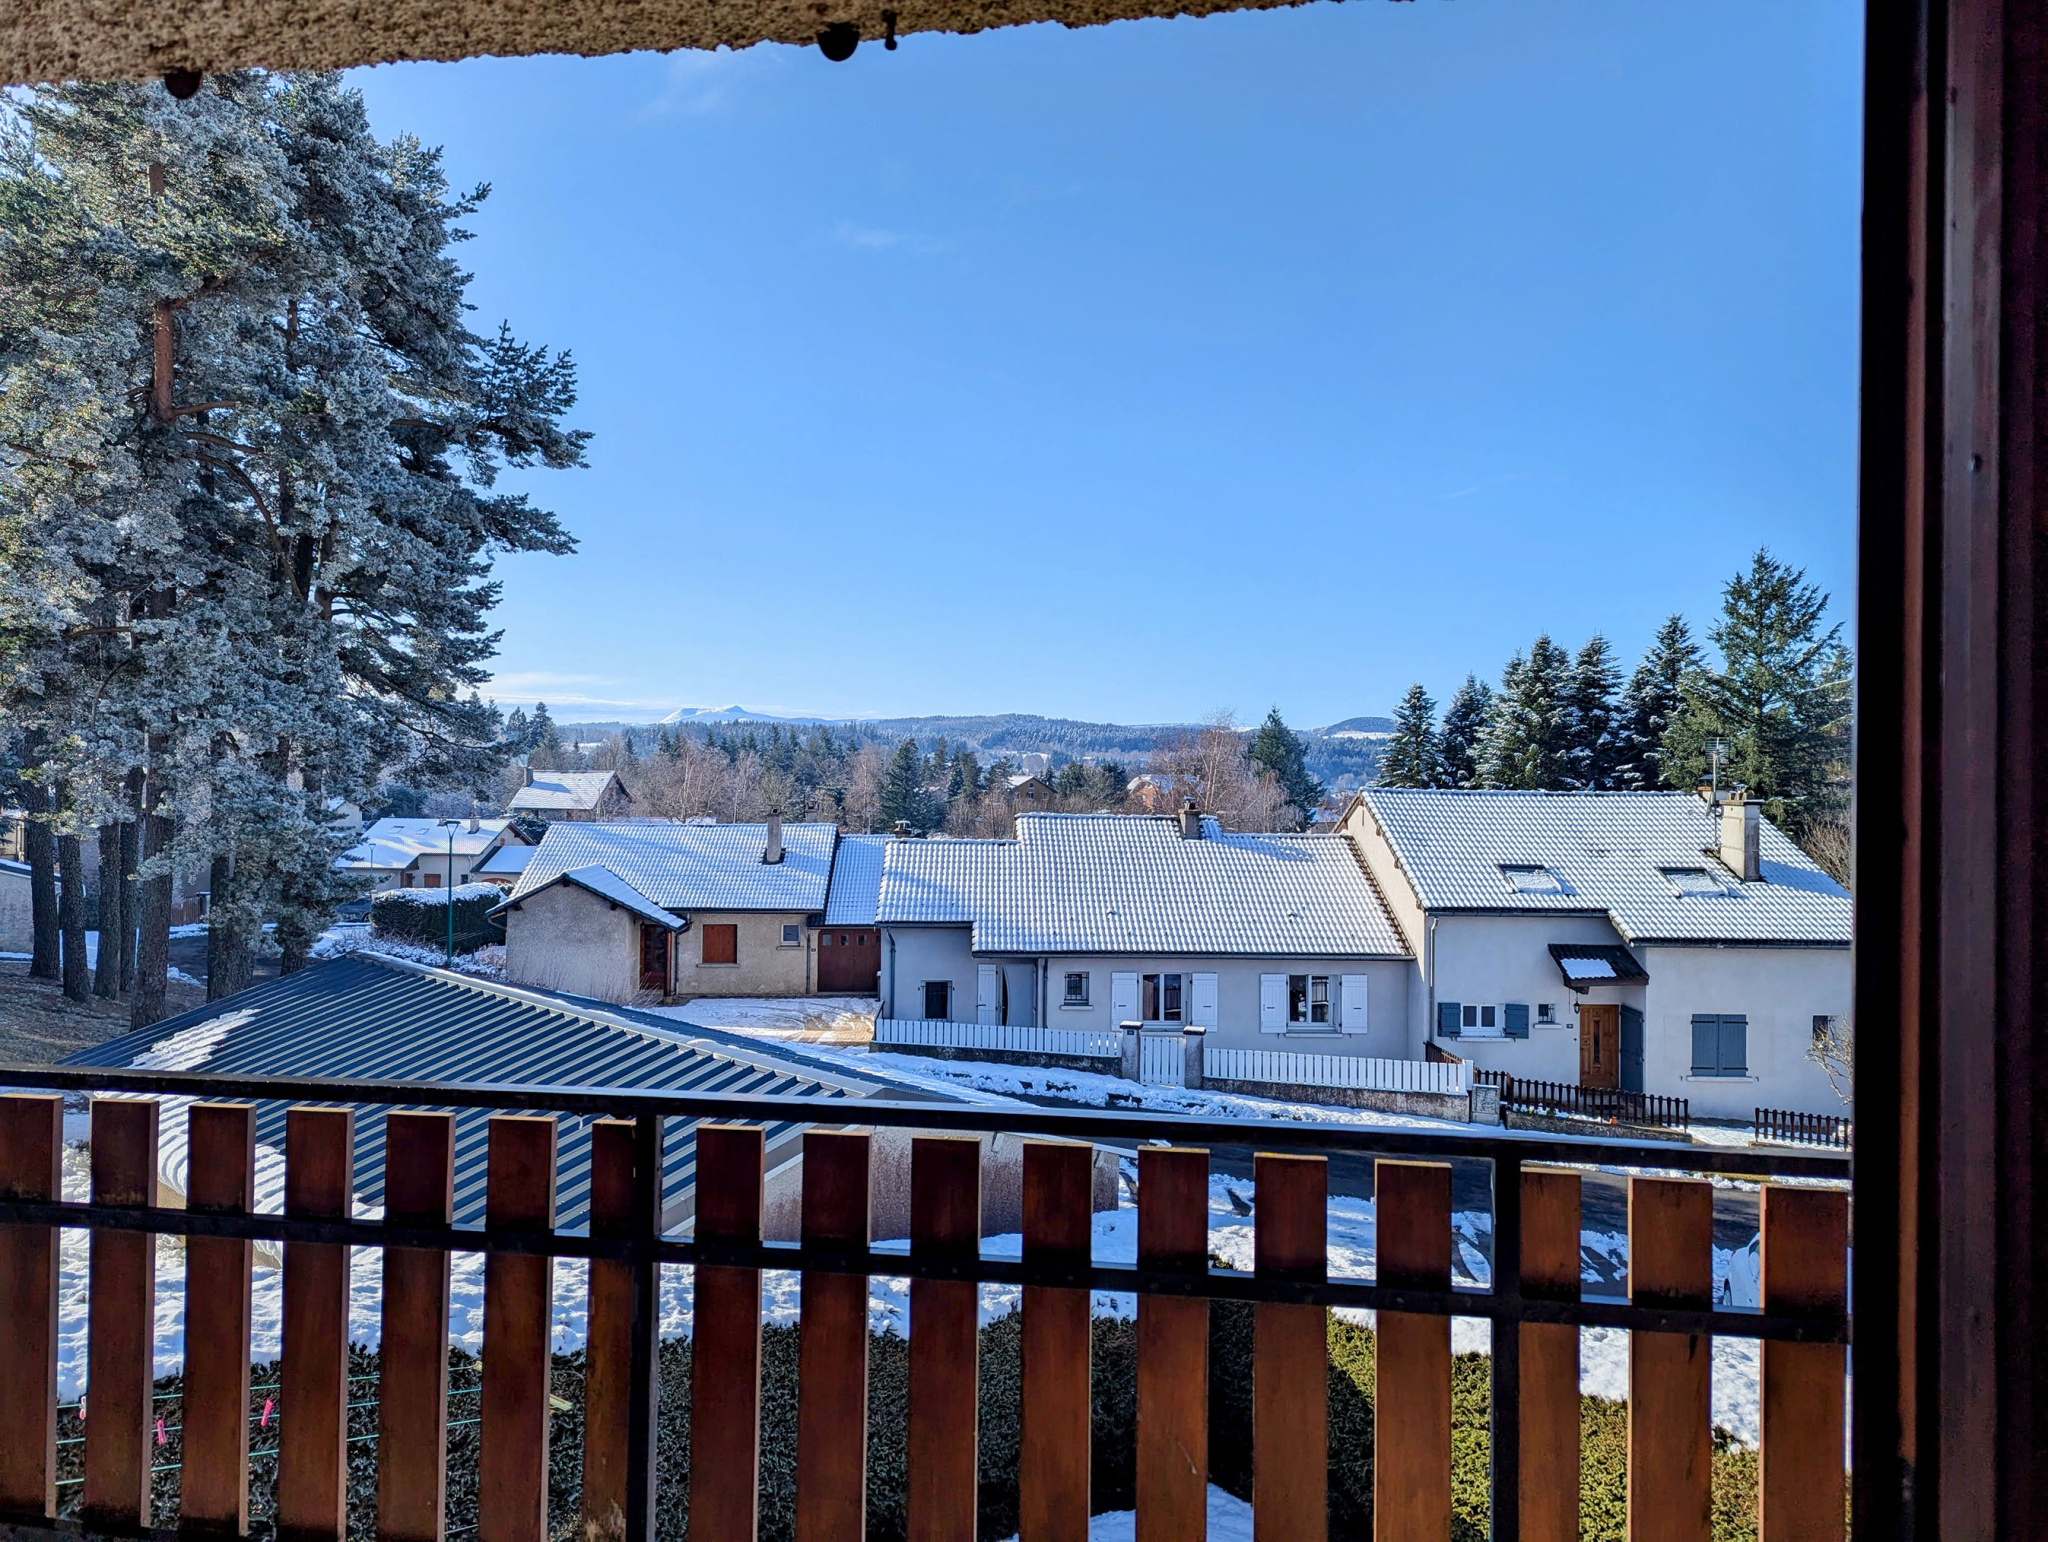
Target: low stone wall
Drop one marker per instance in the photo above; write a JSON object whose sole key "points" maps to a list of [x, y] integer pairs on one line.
{"points": [[1430, 1105], [1101, 1065], [1518, 1119]]}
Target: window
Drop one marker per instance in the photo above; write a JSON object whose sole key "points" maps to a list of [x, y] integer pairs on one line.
{"points": [[1720, 1044], [792, 935], [1823, 1029], [938, 1000], [1694, 881], [1531, 878], [1546, 1012], [1077, 990], [722, 943], [1308, 1000], [1160, 998], [1480, 1021]]}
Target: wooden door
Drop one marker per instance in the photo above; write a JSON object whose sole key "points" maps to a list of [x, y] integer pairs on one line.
{"points": [[1600, 1046], [849, 960]]}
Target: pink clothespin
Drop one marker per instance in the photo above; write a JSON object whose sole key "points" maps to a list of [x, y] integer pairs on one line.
{"points": [[159, 1432], [268, 1404]]}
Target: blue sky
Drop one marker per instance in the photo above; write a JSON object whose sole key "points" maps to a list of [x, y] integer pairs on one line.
{"points": [[1152, 370]]}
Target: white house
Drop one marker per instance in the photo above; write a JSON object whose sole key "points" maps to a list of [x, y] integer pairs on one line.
{"points": [[1647, 941], [1094, 920], [426, 853], [570, 795]]}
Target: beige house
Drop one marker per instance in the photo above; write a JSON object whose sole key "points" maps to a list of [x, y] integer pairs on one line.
{"points": [[426, 853], [571, 795]]}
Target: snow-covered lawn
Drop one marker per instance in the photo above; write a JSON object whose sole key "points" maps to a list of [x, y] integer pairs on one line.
{"points": [[812, 1019]]}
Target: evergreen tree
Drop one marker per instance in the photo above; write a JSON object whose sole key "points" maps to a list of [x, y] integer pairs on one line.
{"points": [[1593, 726], [1526, 743], [1780, 701], [1465, 722], [904, 798], [1651, 702], [1414, 755], [963, 779], [1277, 748]]}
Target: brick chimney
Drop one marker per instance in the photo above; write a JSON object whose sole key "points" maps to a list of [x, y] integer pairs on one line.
{"points": [[1190, 820], [1742, 838], [773, 854]]}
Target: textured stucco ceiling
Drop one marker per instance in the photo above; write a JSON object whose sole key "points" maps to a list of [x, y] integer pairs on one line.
{"points": [[133, 39]]}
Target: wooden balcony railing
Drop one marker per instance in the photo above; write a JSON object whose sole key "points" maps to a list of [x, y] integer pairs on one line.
{"points": [[1535, 1304]]}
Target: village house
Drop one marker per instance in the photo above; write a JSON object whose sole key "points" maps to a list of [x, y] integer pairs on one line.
{"points": [[1268, 941], [1647, 941], [426, 853], [849, 942], [570, 795]]}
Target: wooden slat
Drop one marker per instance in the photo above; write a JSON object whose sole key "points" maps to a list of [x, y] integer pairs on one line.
{"points": [[1670, 1439], [121, 1320], [1550, 1359], [1411, 1470], [512, 1465], [608, 1347], [31, 1167], [725, 1375], [1290, 1355], [312, 1463], [412, 1393], [1173, 1349], [945, 1222], [832, 1350], [1805, 1269], [1053, 1459], [213, 1483]]}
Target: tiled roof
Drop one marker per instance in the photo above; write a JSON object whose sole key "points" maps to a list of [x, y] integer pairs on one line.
{"points": [[1110, 883], [693, 867], [506, 861], [399, 842], [1609, 852], [559, 791], [605, 884], [856, 881]]}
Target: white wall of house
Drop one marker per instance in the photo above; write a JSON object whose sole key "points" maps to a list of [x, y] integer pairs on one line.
{"points": [[1238, 1014], [568, 939], [914, 955], [767, 966], [1500, 959], [1779, 990]]}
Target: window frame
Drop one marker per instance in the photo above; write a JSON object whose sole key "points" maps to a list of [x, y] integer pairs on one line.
{"points": [[1069, 998], [792, 934], [945, 990], [1154, 990], [1472, 1022], [1308, 1022]]}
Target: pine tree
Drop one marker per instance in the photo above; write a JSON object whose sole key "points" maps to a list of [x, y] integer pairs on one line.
{"points": [[1650, 703], [1780, 701], [1526, 743], [1465, 722], [904, 799], [1414, 755], [1592, 718], [1277, 748]]}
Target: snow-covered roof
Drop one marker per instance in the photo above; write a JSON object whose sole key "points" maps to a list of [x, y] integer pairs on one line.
{"points": [[556, 792], [856, 880], [508, 861], [605, 884], [1635, 856], [693, 867], [1115, 883], [399, 842]]}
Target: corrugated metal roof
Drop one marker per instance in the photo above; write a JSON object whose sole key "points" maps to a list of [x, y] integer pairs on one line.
{"points": [[856, 889], [398, 842], [606, 884], [1110, 883], [371, 1018], [693, 867], [1610, 852], [556, 791]]}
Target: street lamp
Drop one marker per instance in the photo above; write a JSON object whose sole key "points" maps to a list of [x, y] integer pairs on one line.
{"points": [[451, 894]]}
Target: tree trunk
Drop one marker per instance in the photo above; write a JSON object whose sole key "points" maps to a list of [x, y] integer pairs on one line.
{"points": [[230, 944], [153, 948], [131, 858], [40, 847], [106, 975], [71, 917]]}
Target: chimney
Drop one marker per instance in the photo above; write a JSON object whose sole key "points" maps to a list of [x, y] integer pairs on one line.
{"points": [[773, 854], [902, 829], [472, 819], [1190, 820], [525, 775], [1742, 838]]}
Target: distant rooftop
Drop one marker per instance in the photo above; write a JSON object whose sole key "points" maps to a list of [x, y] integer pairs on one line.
{"points": [[686, 867], [856, 880], [561, 792], [398, 842]]}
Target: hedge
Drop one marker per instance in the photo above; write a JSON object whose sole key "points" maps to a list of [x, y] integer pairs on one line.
{"points": [[421, 915], [1604, 1425]]}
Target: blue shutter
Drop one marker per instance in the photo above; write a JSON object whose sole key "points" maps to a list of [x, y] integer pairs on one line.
{"points": [[1706, 1043], [1516, 1025], [1447, 1019], [1734, 1045], [1631, 1049]]}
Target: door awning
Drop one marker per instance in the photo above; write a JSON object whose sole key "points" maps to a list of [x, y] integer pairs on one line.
{"points": [[1585, 965]]}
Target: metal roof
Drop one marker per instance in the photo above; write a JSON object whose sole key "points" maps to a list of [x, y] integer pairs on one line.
{"points": [[693, 867], [856, 890], [1586, 964], [1609, 852], [372, 1018], [400, 842], [555, 791], [607, 885], [1115, 883]]}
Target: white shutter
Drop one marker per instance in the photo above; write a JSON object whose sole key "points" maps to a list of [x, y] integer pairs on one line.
{"points": [[987, 997], [1203, 1007], [1354, 1003], [1272, 1003], [1123, 998]]}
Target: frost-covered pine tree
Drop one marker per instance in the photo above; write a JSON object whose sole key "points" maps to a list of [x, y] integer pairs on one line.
{"points": [[1414, 755], [1465, 722], [1526, 744], [1652, 699], [1592, 717]]}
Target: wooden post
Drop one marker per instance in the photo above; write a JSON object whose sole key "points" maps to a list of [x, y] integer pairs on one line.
{"points": [[832, 1348], [31, 1168], [412, 1391], [945, 1223], [1411, 1474], [1801, 1490], [121, 1321], [1670, 1441], [312, 1462], [1290, 1355], [608, 1346], [213, 1486], [1053, 1462], [512, 1465], [1550, 1359], [1173, 1349], [725, 1376]]}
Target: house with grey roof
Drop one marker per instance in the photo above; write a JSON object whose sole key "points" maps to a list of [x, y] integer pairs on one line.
{"points": [[427, 853], [571, 795], [1654, 942], [1089, 921]]}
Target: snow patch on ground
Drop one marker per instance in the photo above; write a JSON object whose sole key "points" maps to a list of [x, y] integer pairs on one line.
{"points": [[1230, 1520], [827, 1019]]}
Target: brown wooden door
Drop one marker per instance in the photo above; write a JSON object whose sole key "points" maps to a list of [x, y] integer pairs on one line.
{"points": [[850, 960], [1600, 1046]]}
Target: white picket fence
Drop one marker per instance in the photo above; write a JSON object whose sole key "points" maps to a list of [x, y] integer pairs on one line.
{"points": [[1265, 1065], [912, 1032], [1162, 1060]]}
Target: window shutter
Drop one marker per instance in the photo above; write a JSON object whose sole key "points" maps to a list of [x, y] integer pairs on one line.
{"points": [[1203, 1011], [1706, 1044], [1734, 1045], [1447, 1019], [1272, 1003], [1123, 997], [1516, 1022], [1631, 1049], [1353, 1004], [987, 1003]]}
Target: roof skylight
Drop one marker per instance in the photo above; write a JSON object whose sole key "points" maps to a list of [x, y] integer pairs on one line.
{"points": [[1531, 878], [1694, 881]]}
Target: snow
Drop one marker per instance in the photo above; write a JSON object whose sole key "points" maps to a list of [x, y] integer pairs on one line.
{"points": [[486, 963], [1230, 1520], [438, 897]]}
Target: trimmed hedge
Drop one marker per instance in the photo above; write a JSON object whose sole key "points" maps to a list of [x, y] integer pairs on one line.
{"points": [[1603, 1481], [421, 915]]}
